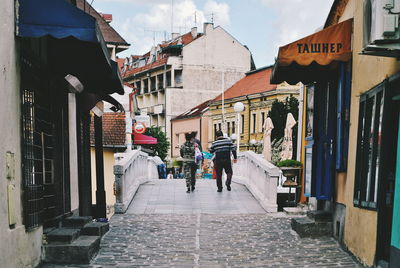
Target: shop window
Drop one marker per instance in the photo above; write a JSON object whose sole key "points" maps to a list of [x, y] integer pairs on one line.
{"points": [[369, 148]]}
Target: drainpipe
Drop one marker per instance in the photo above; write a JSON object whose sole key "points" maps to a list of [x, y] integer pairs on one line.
{"points": [[249, 121]]}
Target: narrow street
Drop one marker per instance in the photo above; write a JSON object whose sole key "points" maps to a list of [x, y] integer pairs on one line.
{"points": [[166, 227]]}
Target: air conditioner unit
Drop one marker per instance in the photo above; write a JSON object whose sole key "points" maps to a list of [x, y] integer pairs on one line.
{"points": [[381, 28]]}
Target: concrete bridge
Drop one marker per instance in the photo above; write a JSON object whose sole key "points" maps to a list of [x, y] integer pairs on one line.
{"points": [[163, 226]]}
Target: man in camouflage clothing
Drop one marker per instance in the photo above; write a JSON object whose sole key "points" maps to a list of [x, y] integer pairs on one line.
{"points": [[189, 165]]}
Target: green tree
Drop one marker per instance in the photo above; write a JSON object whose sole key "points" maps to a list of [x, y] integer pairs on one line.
{"points": [[161, 148], [278, 115]]}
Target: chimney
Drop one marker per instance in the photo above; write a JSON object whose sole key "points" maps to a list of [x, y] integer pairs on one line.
{"points": [[174, 35], [194, 32], [107, 17], [208, 26]]}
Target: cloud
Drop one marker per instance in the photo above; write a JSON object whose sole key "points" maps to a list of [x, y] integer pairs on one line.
{"points": [[153, 26], [297, 18], [220, 12]]}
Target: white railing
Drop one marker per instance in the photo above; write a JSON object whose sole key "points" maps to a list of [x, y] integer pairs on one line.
{"points": [[260, 177], [131, 169]]}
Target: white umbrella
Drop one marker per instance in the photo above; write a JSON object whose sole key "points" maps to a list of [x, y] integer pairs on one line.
{"points": [[287, 145], [268, 126]]}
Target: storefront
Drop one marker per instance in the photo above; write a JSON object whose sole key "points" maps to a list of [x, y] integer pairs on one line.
{"points": [[58, 40], [322, 61]]}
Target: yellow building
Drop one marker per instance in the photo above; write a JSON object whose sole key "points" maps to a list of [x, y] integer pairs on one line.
{"points": [[351, 134], [113, 142], [257, 95]]}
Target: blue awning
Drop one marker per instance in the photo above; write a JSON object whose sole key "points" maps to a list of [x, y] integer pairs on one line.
{"points": [[75, 43], [56, 18]]}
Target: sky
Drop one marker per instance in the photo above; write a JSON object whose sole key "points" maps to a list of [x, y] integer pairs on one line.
{"points": [[261, 25]]}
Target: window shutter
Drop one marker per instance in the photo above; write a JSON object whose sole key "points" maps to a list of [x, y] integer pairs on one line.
{"points": [[343, 114]]}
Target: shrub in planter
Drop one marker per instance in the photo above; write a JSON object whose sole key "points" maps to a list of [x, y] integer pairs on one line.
{"points": [[290, 168], [288, 163]]}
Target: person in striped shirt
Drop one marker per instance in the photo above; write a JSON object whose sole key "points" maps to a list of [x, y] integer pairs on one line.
{"points": [[223, 148]]}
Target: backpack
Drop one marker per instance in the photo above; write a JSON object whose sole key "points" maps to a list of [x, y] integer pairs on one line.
{"points": [[198, 156]]}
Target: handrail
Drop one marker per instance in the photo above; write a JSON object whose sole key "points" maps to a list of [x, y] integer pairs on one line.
{"points": [[131, 169], [260, 177]]}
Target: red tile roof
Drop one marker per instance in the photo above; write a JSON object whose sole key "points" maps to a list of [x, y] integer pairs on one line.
{"points": [[120, 62], [110, 35], [152, 65], [163, 57], [195, 111], [113, 130], [254, 82]]}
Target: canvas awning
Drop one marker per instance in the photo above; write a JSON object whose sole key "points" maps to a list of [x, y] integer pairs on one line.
{"points": [[143, 139], [75, 44], [305, 59]]}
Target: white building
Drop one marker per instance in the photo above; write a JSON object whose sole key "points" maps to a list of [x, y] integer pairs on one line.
{"points": [[186, 71]]}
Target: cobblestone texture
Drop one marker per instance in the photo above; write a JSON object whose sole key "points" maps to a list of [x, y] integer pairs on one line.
{"points": [[197, 239]]}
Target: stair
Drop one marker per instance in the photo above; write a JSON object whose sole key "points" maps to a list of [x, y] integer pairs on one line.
{"points": [[316, 223], [76, 221], [76, 242], [66, 235], [80, 251], [96, 228]]}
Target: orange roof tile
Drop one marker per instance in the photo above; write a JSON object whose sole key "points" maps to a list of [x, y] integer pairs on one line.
{"points": [[195, 111], [109, 33], [144, 68], [163, 57], [254, 82], [113, 129]]}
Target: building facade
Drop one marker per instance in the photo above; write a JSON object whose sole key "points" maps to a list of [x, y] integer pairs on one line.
{"points": [[257, 95], [193, 120], [185, 71], [45, 142], [351, 133]]}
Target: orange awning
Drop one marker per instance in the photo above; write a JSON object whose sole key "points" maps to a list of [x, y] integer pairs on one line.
{"points": [[316, 51]]}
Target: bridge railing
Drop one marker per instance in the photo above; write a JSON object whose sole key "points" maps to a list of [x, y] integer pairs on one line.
{"points": [[260, 177], [131, 169]]}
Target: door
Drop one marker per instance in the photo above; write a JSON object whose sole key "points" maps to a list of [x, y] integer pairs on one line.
{"points": [[324, 139], [44, 143], [387, 176], [395, 237]]}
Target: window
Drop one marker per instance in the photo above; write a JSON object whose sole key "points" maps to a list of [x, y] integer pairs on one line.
{"points": [[229, 128], [215, 131], [242, 126], [262, 121], [233, 127], [369, 148], [219, 126], [254, 123], [310, 111]]}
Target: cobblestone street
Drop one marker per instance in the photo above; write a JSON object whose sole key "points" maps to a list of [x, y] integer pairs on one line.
{"points": [[165, 227]]}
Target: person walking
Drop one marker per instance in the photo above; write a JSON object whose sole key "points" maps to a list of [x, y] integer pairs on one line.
{"points": [[189, 166], [223, 148]]}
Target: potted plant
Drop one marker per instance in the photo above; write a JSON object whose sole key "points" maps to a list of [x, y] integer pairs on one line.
{"points": [[290, 169]]}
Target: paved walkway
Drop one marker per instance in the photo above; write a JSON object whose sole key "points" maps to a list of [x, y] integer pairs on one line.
{"points": [[166, 227]]}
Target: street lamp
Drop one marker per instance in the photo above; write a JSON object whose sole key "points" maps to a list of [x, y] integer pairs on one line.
{"points": [[238, 108]]}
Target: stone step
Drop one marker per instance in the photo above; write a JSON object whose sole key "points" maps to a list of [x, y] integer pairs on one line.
{"points": [[66, 235], [76, 222], [294, 211], [80, 251], [96, 228], [319, 215], [307, 227]]}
